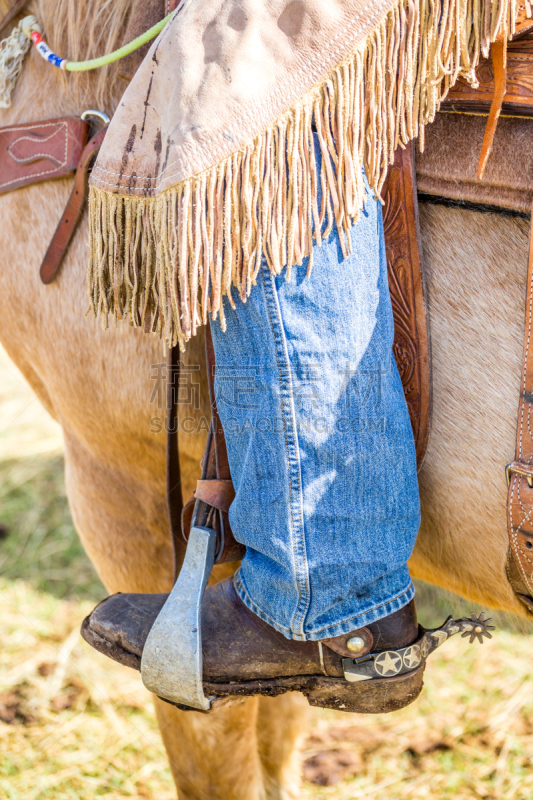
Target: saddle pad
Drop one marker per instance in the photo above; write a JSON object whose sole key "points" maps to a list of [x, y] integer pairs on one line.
{"points": [[448, 166]]}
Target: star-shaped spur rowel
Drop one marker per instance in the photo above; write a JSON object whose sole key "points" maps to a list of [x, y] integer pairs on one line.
{"points": [[477, 627]]}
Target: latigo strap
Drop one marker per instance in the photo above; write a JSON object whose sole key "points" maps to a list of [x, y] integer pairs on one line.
{"points": [[520, 471], [73, 211]]}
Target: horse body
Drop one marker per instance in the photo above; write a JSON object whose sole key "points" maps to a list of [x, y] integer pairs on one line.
{"points": [[476, 268], [98, 386]]}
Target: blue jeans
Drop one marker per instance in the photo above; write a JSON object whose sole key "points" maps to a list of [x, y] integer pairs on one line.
{"points": [[319, 442]]}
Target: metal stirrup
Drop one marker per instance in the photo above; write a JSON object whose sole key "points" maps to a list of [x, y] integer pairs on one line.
{"points": [[171, 664]]}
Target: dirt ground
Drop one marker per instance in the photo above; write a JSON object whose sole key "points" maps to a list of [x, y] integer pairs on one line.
{"points": [[75, 725]]}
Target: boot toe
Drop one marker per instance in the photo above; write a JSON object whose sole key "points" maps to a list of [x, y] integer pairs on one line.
{"points": [[119, 626]]}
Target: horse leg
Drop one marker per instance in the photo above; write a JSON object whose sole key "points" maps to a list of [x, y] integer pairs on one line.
{"points": [[215, 756], [237, 753], [261, 735], [280, 722]]}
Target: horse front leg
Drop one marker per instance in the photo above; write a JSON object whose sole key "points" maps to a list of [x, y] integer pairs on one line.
{"points": [[214, 756], [243, 752], [280, 723]]}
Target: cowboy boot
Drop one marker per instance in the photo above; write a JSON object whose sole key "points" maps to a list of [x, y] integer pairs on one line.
{"points": [[373, 669]]}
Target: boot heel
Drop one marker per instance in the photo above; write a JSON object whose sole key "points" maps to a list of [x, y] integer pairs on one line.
{"points": [[377, 696]]}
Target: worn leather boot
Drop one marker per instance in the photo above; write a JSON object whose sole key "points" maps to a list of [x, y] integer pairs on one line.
{"points": [[242, 655]]}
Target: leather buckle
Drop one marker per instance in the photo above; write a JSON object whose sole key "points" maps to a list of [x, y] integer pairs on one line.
{"points": [[518, 468]]}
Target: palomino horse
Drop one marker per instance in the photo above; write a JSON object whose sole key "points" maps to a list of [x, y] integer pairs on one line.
{"points": [[98, 386]]}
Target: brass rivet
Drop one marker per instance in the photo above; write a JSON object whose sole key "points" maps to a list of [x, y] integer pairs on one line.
{"points": [[478, 629], [356, 644]]}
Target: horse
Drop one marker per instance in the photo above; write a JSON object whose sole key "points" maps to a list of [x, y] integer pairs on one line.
{"points": [[98, 385]]}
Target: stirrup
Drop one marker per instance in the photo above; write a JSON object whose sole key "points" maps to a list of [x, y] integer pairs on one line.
{"points": [[171, 664]]}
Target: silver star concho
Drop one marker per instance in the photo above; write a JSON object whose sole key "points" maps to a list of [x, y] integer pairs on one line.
{"points": [[387, 663], [412, 656]]}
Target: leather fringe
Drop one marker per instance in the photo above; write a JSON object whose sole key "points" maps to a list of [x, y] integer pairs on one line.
{"points": [[169, 261]]}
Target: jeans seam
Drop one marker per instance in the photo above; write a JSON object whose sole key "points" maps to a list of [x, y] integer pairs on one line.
{"points": [[299, 547]]}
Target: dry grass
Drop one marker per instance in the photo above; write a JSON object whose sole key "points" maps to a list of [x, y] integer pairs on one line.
{"points": [[75, 725]]}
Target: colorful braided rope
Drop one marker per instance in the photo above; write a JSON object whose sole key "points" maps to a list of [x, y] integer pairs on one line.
{"points": [[43, 50], [32, 30]]}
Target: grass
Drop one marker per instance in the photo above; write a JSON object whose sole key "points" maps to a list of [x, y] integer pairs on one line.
{"points": [[75, 725]]}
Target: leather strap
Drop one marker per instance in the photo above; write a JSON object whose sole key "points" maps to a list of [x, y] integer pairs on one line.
{"points": [[504, 85], [73, 211], [215, 490], [411, 346], [520, 471], [517, 100], [499, 66], [15, 9], [217, 493], [217, 471], [173, 472], [40, 151], [219, 443]]}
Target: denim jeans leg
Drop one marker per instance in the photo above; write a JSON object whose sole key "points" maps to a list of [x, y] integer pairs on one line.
{"points": [[319, 441]]}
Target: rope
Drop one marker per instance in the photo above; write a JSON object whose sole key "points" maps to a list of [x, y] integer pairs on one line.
{"points": [[12, 53], [32, 29]]}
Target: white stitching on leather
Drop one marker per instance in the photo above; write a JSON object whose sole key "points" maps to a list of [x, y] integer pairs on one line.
{"points": [[525, 367], [513, 530], [59, 126], [516, 479], [37, 155]]}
